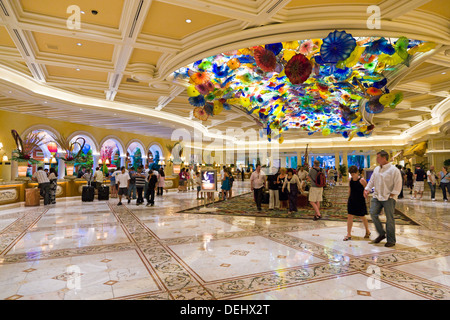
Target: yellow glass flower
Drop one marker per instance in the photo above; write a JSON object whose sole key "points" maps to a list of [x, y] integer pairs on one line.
{"points": [[218, 107], [353, 59], [290, 45], [192, 92], [391, 60]]}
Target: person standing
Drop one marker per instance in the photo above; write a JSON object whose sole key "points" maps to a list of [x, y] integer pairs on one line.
{"points": [[198, 184], [112, 183], [409, 180], [53, 177], [356, 204], [274, 195], [152, 182], [445, 182], [132, 186], [98, 178], [431, 180], [315, 192], [88, 176], [225, 184], [191, 177], [419, 185], [182, 180], [293, 186], [302, 175], [123, 183], [257, 183], [43, 183], [161, 182], [282, 195], [140, 178], [387, 182], [330, 176]]}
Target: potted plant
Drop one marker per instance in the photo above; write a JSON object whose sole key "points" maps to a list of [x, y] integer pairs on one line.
{"points": [[25, 149], [69, 156], [343, 172]]}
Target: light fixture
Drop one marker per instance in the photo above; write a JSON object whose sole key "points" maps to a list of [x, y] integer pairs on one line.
{"points": [[188, 20], [53, 160], [46, 160], [107, 161], [78, 69], [79, 44], [5, 158], [444, 72], [100, 161]]}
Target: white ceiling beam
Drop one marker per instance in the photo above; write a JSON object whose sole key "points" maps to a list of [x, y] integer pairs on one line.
{"points": [[21, 41], [133, 18], [392, 9]]}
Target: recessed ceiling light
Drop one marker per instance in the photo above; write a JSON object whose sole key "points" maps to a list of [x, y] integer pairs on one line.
{"points": [[78, 69], [79, 44], [82, 12], [188, 20], [444, 72]]}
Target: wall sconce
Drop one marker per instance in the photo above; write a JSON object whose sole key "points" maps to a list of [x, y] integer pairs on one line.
{"points": [[5, 160], [100, 161]]}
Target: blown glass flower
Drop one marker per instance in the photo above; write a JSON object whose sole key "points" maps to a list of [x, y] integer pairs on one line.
{"points": [[197, 101], [265, 59], [200, 114], [338, 45], [298, 69]]}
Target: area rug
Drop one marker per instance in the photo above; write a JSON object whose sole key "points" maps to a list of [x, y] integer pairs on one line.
{"points": [[335, 208]]}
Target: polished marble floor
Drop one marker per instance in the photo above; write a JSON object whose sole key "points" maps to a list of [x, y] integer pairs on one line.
{"points": [[74, 250]]}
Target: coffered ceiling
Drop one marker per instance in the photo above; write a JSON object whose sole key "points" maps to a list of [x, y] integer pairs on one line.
{"points": [[126, 50]]}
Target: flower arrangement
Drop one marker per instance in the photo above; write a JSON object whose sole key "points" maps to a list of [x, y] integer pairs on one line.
{"points": [[68, 147], [26, 147]]}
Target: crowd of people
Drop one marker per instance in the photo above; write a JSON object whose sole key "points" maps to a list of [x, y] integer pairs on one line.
{"points": [[285, 185], [139, 184], [415, 181]]}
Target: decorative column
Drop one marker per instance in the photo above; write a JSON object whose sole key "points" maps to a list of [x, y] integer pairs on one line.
{"points": [[345, 163], [95, 158], [61, 169], [336, 160], [122, 160]]}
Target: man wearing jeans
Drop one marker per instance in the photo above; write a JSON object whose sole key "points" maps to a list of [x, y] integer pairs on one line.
{"points": [[387, 182], [257, 183]]}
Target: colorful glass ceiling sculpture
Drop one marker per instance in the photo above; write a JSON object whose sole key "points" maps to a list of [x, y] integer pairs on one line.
{"points": [[316, 85]]}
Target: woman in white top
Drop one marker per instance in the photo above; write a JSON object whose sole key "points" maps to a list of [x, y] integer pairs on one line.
{"points": [[293, 186]]}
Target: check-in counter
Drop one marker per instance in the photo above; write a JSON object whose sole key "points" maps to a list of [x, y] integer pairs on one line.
{"points": [[14, 191]]}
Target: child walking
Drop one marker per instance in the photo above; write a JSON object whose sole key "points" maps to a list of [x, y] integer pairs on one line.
{"points": [[356, 205]]}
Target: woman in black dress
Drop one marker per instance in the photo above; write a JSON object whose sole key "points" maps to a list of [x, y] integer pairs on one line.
{"points": [[283, 196], [356, 205]]}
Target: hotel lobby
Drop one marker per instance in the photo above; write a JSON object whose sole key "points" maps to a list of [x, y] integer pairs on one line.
{"points": [[207, 86]]}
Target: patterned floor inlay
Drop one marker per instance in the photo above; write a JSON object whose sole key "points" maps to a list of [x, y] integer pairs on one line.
{"points": [[74, 250]]}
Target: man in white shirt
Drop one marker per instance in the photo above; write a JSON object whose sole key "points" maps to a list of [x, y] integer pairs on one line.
{"points": [[98, 177], [257, 183], [302, 175], [387, 182], [431, 179], [123, 182], [44, 184]]}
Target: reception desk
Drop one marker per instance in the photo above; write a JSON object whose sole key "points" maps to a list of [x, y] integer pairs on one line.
{"points": [[14, 191]]}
